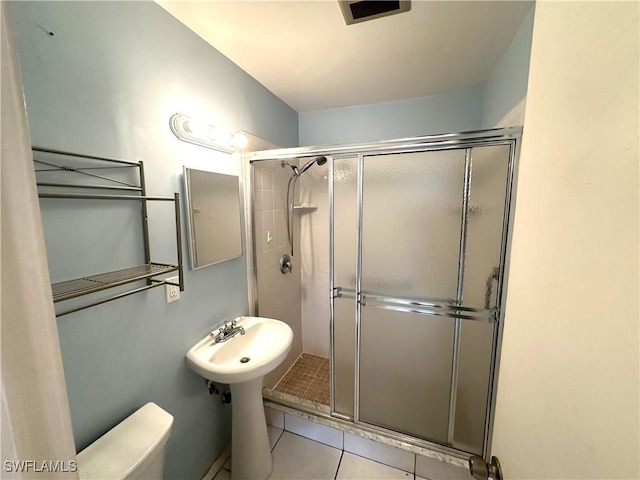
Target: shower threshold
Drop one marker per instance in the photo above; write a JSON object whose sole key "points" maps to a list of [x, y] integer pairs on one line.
{"points": [[300, 392], [321, 415]]}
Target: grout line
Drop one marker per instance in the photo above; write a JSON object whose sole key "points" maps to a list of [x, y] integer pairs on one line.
{"points": [[339, 463], [314, 441], [379, 462], [278, 440]]}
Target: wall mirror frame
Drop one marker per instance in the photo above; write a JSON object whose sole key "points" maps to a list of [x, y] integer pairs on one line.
{"points": [[213, 217]]}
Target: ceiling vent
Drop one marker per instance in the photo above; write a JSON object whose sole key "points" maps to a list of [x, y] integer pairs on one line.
{"points": [[360, 11]]}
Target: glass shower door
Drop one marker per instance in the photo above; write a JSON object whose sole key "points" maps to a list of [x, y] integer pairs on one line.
{"points": [[411, 206], [432, 238], [418, 246]]}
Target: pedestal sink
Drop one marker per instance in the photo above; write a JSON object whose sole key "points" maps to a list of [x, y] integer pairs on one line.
{"points": [[241, 362]]}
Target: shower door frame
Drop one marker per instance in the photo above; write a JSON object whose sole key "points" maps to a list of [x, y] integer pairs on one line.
{"points": [[510, 136]]}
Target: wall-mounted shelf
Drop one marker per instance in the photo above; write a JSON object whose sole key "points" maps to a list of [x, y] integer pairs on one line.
{"points": [[305, 207], [91, 284], [95, 283]]}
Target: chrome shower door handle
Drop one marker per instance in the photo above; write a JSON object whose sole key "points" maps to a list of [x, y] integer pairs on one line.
{"points": [[494, 275]]}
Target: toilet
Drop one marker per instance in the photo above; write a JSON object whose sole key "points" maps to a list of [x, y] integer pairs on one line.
{"points": [[133, 449]]}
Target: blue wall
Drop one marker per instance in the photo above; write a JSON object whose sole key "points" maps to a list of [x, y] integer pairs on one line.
{"points": [[105, 84], [483, 106], [508, 84], [445, 113]]}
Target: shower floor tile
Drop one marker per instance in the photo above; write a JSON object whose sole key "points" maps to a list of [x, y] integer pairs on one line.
{"points": [[308, 378]]}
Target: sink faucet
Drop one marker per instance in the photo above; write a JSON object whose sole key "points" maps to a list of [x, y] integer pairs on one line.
{"points": [[228, 331]]}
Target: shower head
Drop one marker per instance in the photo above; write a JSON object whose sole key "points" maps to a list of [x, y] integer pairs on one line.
{"points": [[309, 164], [299, 171]]}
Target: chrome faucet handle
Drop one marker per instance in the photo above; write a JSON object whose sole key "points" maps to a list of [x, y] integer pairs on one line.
{"points": [[233, 323], [213, 333]]}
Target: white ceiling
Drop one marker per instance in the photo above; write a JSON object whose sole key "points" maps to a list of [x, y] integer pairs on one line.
{"points": [[304, 53]]}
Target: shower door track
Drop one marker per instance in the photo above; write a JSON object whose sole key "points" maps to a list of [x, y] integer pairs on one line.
{"points": [[509, 136], [477, 138]]}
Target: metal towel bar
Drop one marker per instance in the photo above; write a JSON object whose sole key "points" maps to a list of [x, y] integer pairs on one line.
{"points": [[434, 307]]}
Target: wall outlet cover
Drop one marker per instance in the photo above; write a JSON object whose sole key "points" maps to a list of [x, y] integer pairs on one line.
{"points": [[172, 291]]}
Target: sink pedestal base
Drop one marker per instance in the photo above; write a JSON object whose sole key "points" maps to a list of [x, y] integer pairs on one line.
{"points": [[250, 449]]}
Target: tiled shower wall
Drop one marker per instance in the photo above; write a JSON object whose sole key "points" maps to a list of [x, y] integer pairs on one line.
{"points": [[300, 298], [278, 295], [314, 256]]}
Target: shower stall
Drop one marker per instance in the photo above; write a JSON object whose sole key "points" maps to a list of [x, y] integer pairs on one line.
{"points": [[396, 288]]}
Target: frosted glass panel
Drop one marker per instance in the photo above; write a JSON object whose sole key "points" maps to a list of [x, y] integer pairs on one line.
{"points": [[484, 225], [473, 385], [411, 224], [344, 311], [484, 240], [345, 181], [345, 175], [405, 372]]}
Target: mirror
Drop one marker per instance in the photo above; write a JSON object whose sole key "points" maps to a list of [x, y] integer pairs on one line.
{"points": [[213, 215]]}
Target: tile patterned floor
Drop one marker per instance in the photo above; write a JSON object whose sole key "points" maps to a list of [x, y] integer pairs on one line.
{"points": [[308, 378], [298, 458]]}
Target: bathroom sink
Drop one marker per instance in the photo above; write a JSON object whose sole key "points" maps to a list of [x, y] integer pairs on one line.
{"points": [[240, 354], [262, 347]]}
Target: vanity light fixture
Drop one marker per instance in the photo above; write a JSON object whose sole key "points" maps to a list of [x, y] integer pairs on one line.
{"points": [[198, 132]]}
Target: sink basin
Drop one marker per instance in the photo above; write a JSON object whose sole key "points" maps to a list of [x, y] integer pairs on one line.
{"points": [[264, 345]]}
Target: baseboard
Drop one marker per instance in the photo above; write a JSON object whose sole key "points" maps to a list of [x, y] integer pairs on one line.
{"points": [[217, 465]]}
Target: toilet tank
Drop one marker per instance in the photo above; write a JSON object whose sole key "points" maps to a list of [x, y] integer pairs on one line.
{"points": [[133, 449]]}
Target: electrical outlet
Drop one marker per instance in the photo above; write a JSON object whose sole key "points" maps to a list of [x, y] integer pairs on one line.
{"points": [[172, 291]]}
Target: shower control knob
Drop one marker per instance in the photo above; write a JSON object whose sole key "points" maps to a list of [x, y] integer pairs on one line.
{"points": [[285, 264]]}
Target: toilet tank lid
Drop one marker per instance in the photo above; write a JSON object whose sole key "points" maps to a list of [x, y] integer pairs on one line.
{"points": [[127, 445]]}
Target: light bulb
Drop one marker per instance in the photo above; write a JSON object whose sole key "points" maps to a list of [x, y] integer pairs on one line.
{"points": [[195, 126], [239, 140], [219, 135]]}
